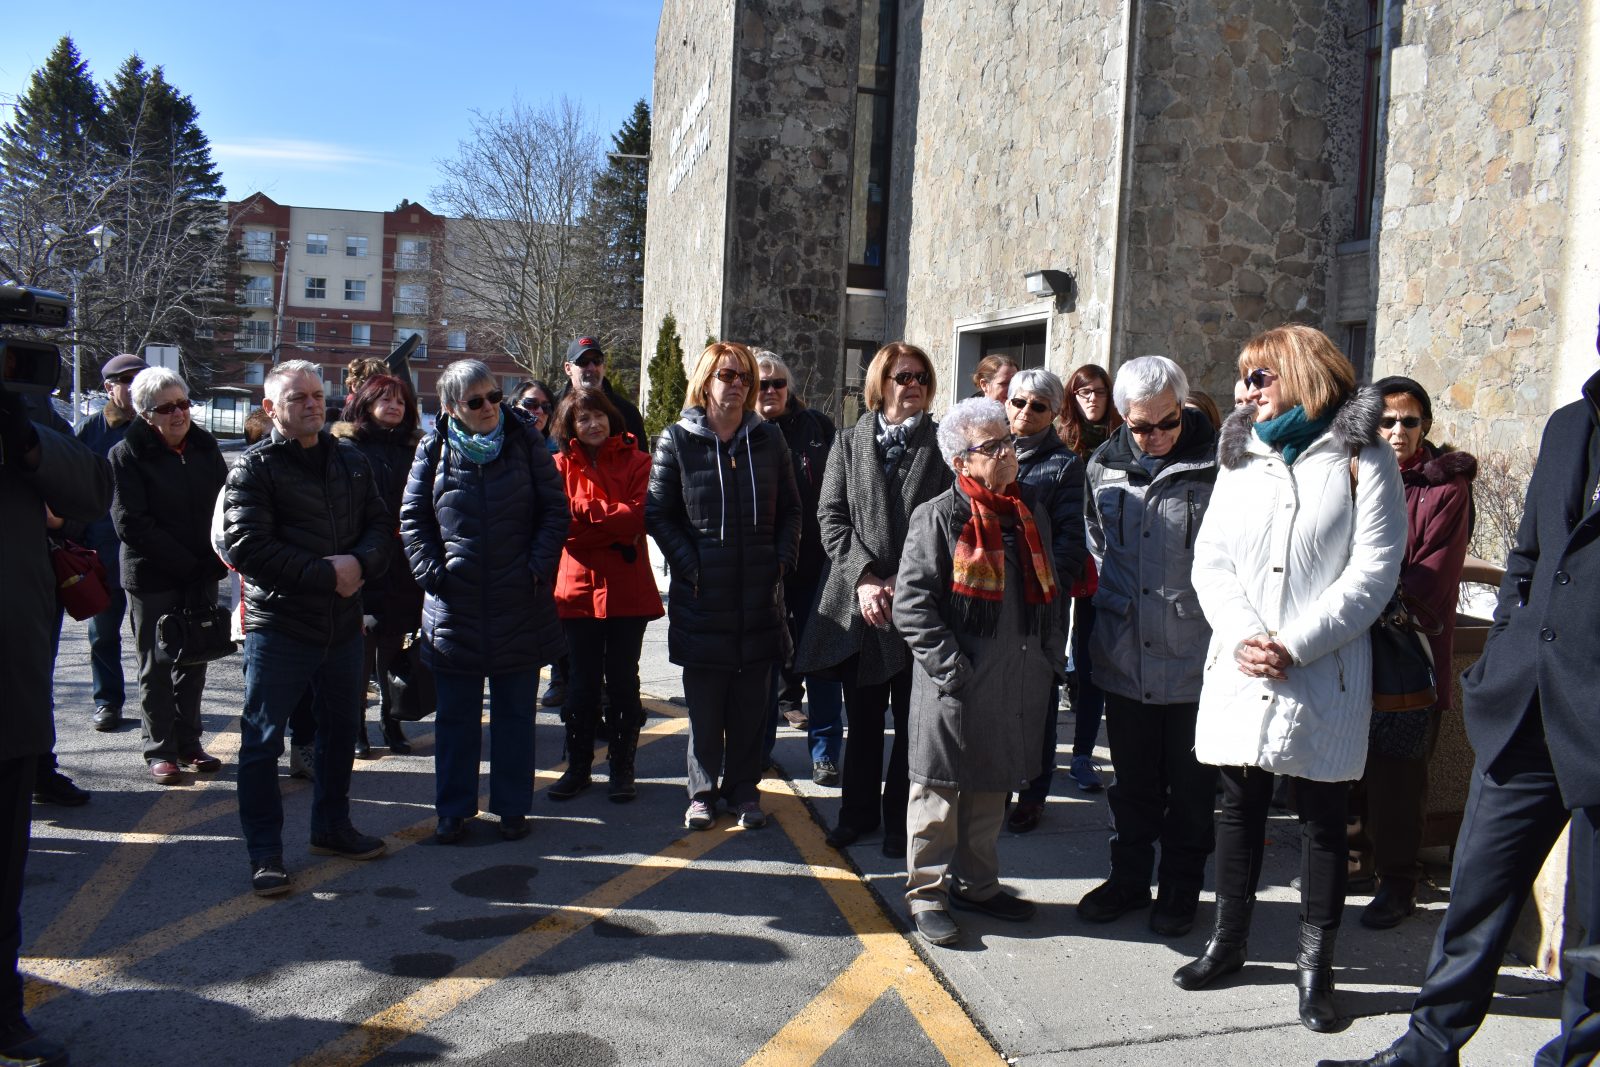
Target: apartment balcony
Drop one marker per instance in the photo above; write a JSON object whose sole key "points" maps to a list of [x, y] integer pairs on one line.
{"points": [[255, 298], [412, 261]]}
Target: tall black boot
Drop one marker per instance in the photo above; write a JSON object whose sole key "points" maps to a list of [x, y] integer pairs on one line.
{"points": [[1225, 952], [395, 737], [363, 746], [624, 744], [580, 757], [1314, 978]]}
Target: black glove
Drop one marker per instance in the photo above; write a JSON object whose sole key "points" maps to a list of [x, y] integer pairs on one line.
{"points": [[628, 552], [17, 433]]}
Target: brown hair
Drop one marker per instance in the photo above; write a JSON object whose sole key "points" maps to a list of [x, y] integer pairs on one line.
{"points": [[706, 366], [1203, 403], [1313, 372], [878, 373], [257, 425], [564, 423], [359, 370], [988, 367], [358, 405], [1070, 423]]}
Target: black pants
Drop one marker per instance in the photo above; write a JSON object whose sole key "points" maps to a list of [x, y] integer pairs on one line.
{"points": [[1392, 800], [863, 772], [1514, 815], [16, 798], [1241, 841], [727, 710], [1161, 793], [378, 651], [603, 656], [169, 697]]}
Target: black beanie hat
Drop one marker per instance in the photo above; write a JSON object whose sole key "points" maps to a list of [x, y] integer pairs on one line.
{"points": [[1399, 383]]}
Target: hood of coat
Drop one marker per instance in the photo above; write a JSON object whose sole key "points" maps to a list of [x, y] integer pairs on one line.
{"points": [[349, 431], [145, 443], [694, 420], [1197, 444], [1355, 425], [1442, 465]]}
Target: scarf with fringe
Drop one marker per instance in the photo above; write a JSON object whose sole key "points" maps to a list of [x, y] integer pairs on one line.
{"points": [[978, 566]]}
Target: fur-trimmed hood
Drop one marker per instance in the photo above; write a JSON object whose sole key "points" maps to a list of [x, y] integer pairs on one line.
{"points": [[1355, 425], [1441, 466], [349, 431]]}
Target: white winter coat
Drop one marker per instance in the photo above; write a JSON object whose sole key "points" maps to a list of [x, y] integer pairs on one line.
{"points": [[1284, 550]]}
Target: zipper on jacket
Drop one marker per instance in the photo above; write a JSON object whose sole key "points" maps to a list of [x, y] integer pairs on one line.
{"points": [[1188, 530], [1122, 510], [1339, 662]]}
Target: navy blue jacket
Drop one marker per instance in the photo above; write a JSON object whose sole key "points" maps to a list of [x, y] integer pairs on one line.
{"points": [[1055, 474], [101, 437]]}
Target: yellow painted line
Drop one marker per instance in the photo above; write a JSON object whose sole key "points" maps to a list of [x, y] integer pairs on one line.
{"points": [[433, 1001], [829, 1015]]}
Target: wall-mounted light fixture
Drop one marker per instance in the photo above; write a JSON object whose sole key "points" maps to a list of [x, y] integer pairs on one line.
{"points": [[1052, 283]]}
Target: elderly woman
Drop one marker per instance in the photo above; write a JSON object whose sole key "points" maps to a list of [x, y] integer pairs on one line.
{"points": [[992, 376], [483, 522], [1148, 489], [167, 473], [880, 471], [605, 592], [976, 599], [723, 506], [1055, 474], [1394, 789], [1295, 559], [809, 434]]}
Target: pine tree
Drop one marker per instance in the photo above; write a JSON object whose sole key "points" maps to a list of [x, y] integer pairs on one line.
{"points": [[613, 232], [669, 385]]}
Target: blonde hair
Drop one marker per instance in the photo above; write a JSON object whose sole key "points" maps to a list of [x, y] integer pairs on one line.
{"points": [[878, 373], [706, 366], [1313, 372]]}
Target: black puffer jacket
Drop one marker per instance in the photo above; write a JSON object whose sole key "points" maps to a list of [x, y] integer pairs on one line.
{"points": [[727, 516], [483, 543], [809, 434], [393, 599], [284, 512], [1055, 473], [162, 508]]}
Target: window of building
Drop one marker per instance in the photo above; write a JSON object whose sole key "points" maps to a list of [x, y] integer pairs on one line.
{"points": [[257, 291], [1021, 333], [258, 245], [1367, 176], [456, 340], [361, 333], [255, 335], [411, 253], [1355, 349], [255, 373], [305, 334], [403, 334], [204, 332], [355, 245], [355, 289], [316, 244], [869, 181], [411, 300], [316, 288]]}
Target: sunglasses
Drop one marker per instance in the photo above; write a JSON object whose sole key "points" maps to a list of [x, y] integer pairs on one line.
{"points": [[125, 379], [728, 376], [1260, 378], [531, 404], [1032, 405], [477, 402], [1410, 422], [996, 448], [1171, 422], [774, 383], [171, 407], [906, 377], [589, 360]]}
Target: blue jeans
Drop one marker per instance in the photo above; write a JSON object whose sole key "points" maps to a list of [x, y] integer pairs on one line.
{"points": [[279, 672], [105, 629], [824, 707], [458, 742]]}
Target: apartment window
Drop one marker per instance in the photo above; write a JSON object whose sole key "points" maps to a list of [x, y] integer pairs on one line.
{"points": [[411, 253], [411, 300], [305, 334], [316, 244], [257, 292], [355, 289], [258, 245], [1367, 176], [255, 373], [204, 332], [456, 340], [869, 191], [316, 288], [403, 334], [361, 333], [355, 245], [255, 335]]}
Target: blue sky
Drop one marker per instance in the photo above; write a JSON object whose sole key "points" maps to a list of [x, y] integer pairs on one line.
{"points": [[350, 105]]}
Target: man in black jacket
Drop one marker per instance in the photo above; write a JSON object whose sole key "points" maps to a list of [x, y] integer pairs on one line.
{"points": [[1529, 709], [306, 527], [586, 366]]}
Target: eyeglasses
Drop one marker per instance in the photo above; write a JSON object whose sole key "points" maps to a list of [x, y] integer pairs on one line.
{"points": [[531, 404], [1260, 378], [906, 377], [1410, 422], [122, 379], [727, 375], [1090, 393], [171, 407], [589, 359], [1143, 429], [477, 402], [774, 384], [1032, 405], [996, 448]]}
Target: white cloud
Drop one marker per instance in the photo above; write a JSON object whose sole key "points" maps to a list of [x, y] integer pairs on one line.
{"points": [[302, 155]]}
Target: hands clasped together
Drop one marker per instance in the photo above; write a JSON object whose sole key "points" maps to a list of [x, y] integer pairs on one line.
{"points": [[1262, 657]]}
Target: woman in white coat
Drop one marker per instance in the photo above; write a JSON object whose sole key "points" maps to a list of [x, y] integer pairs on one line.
{"points": [[1296, 556]]}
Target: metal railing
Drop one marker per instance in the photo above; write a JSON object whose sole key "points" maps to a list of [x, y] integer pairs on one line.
{"points": [[255, 298], [412, 260]]}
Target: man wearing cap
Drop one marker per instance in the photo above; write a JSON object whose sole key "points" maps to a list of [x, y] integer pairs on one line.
{"points": [[586, 367]]}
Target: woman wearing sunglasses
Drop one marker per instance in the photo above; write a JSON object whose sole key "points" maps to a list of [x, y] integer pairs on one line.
{"points": [[1297, 555], [1055, 475], [880, 470], [533, 400], [723, 507], [167, 473], [483, 521]]}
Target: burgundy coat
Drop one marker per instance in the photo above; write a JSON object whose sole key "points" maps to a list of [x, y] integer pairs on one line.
{"points": [[1438, 509]]}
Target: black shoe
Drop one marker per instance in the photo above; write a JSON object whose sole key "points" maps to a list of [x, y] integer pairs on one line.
{"points": [[1225, 952], [555, 695], [936, 927], [824, 772], [573, 781], [1111, 900], [268, 877], [107, 719], [1173, 915], [1025, 816], [449, 830], [348, 842], [515, 827], [1389, 1057], [21, 1047], [363, 746], [1003, 905], [894, 847], [395, 738], [620, 790], [1396, 899], [1314, 978], [56, 788], [842, 836]]}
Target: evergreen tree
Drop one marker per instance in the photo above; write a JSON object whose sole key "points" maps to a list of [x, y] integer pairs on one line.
{"points": [[669, 385], [613, 242]]}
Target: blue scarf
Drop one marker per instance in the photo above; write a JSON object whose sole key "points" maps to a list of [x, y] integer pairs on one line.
{"points": [[479, 448], [1291, 432]]}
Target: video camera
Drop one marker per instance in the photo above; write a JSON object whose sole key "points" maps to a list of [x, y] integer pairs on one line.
{"points": [[31, 366]]}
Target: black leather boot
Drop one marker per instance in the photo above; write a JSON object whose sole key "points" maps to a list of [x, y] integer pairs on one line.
{"points": [[624, 744], [1315, 978], [580, 757], [395, 737], [363, 747], [1225, 952]]}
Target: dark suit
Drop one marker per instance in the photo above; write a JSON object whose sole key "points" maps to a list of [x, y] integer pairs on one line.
{"points": [[1529, 707]]}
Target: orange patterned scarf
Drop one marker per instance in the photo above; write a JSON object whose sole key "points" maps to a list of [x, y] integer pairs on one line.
{"points": [[978, 566]]}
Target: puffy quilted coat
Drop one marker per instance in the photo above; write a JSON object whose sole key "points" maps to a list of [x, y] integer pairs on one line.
{"points": [[1055, 474], [727, 515], [1439, 505], [286, 509], [483, 542], [605, 565], [1285, 550], [162, 508], [393, 599]]}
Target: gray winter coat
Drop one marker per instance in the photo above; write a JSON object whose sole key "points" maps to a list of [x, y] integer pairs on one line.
{"points": [[1149, 641], [978, 704]]}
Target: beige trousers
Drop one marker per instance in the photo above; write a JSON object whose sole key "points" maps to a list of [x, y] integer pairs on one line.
{"points": [[954, 832]]}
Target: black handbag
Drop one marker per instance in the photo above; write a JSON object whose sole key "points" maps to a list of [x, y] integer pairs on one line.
{"points": [[193, 634], [1402, 661], [411, 690]]}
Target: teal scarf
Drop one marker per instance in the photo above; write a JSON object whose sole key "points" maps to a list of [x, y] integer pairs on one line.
{"points": [[479, 448], [1291, 432]]}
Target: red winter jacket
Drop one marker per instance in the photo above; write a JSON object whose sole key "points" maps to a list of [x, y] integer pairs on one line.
{"points": [[1438, 507], [605, 565]]}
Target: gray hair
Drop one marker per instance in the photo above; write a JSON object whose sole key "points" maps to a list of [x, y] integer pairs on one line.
{"points": [[460, 376], [280, 376], [150, 382], [969, 414], [772, 359], [1142, 379], [1040, 383]]}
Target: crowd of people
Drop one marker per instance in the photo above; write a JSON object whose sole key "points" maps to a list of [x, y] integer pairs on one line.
{"points": [[1203, 581]]}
